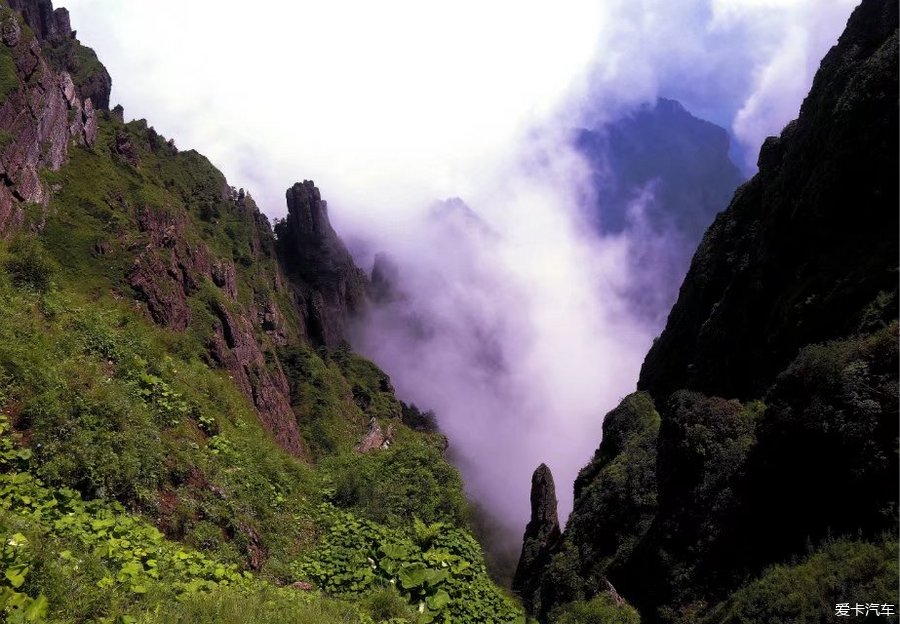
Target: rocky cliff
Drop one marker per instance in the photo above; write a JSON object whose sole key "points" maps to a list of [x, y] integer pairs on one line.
{"points": [[332, 287], [772, 392], [180, 415], [41, 112], [63, 51], [541, 533]]}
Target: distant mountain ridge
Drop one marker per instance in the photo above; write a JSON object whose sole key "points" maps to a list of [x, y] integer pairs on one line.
{"points": [[683, 158], [659, 175]]}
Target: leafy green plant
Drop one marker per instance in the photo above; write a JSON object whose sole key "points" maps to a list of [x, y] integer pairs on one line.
{"points": [[438, 570]]}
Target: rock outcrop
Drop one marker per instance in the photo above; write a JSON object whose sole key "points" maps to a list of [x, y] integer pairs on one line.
{"points": [[541, 535], [46, 22], [236, 347], [40, 113], [62, 50], [331, 286], [169, 268], [383, 284], [376, 438]]}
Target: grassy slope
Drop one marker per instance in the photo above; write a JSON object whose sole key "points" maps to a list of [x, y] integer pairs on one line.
{"points": [[115, 410]]}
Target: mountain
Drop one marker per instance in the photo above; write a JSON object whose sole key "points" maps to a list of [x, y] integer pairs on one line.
{"points": [[754, 475], [185, 435], [659, 175], [681, 159]]}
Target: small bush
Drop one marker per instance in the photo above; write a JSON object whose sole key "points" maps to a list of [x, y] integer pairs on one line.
{"points": [[28, 265], [602, 609]]}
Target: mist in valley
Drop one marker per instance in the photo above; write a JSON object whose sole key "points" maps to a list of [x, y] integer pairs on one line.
{"points": [[445, 139]]}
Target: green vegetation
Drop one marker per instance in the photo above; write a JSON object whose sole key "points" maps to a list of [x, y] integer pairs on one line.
{"points": [[28, 265], [437, 569], [843, 571], [137, 482], [9, 79], [603, 609], [9, 76], [615, 504]]}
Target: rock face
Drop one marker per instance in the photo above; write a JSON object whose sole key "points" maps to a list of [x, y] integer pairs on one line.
{"points": [[168, 269], [541, 533], [46, 22], [376, 438], [775, 383], [615, 504], [383, 285], [171, 268], [808, 244], [235, 346], [332, 287], [40, 112], [63, 51]]}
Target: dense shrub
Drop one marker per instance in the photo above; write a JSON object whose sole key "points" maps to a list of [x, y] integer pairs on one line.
{"points": [[28, 264], [602, 609], [843, 571]]}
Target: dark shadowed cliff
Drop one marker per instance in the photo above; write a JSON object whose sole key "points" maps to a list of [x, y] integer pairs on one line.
{"points": [[807, 250]]}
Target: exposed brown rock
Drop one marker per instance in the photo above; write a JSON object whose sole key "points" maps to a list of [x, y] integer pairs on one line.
{"points": [[272, 323], [169, 268], [10, 32], [35, 117], [62, 50], [255, 551], [235, 347], [376, 438], [126, 148], [46, 22], [224, 276], [155, 285]]}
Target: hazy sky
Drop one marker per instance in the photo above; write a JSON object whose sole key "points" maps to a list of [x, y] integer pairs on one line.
{"points": [[429, 95], [389, 106]]}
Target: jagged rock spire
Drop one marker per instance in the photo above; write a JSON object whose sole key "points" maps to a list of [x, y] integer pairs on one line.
{"points": [[333, 288], [541, 533]]}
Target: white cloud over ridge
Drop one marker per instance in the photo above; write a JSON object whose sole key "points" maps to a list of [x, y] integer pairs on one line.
{"points": [[389, 106]]}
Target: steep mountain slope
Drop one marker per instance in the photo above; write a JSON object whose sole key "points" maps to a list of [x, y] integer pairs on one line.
{"points": [[754, 477], [808, 245], [179, 414]]}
